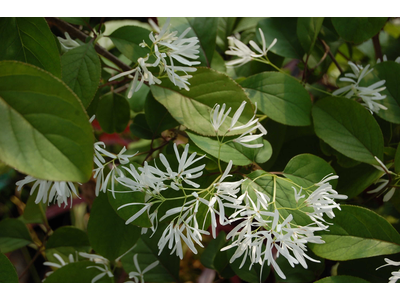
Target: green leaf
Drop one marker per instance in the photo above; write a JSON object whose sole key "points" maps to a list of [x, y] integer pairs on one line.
{"points": [[341, 279], [307, 170], [106, 228], [45, 130], [125, 213], [157, 116], [127, 40], [205, 29], [192, 108], [349, 128], [138, 99], [307, 31], [358, 29], [280, 97], [29, 40], [13, 235], [239, 154], [283, 29], [140, 128], [389, 71], [357, 232], [397, 160], [8, 274], [68, 236], [81, 72], [353, 181], [168, 268], [225, 28], [77, 272], [113, 112]]}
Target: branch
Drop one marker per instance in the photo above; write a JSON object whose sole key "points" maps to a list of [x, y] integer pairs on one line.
{"points": [[377, 46], [76, 33], [328, 50]]}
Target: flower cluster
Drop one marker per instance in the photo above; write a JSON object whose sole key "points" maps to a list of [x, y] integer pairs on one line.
{"points": [[68, 43], [385, 185], [165, 45], [138, 276], [369, 94], [245, 54]]}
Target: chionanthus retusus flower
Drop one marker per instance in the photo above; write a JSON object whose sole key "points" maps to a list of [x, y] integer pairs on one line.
{"points": [[369, 95], [218, 117], [165, 46], [244, 53]]}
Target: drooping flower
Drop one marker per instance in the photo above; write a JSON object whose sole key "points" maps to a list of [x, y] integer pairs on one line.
{"points": [[59, 191], [62, 263]]}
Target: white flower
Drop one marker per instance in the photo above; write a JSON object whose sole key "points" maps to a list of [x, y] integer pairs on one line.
{"points": [[245, 54], [395, 275], [218, 116], [98, 259], [68, 43], [139, 273], [248, 136], [384, 183], [50, 190], [368, 94]]}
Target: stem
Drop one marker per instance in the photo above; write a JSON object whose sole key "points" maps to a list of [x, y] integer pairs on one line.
{"points": [[377, 46], [328, 50], [75, 33]]}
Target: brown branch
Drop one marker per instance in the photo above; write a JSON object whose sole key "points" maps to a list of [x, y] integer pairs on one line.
{"points": [[76, 33], [377, 46]]}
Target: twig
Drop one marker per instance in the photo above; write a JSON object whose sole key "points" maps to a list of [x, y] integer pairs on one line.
{"points": [[75, 33], [377, 46], [342, 54], [327, 49]]}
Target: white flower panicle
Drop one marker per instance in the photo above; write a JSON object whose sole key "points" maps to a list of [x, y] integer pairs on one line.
{"points": [[384, 187], [62, 263], [165, 45], [396, 274], [59, 191], [245, 54], [369, 95]]}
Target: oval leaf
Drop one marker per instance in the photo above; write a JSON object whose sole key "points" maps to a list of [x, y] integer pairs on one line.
{"points": [[8, 274], [68, 236], [308, 169], [81, 72], [358, 29], [280, 97], [127, 40], [357, 233], [29, 40], [284, 30], [307, 31], [106, 228], [348, 128], [45, 130], [13, 235], [192, 108], [113, 113]]}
